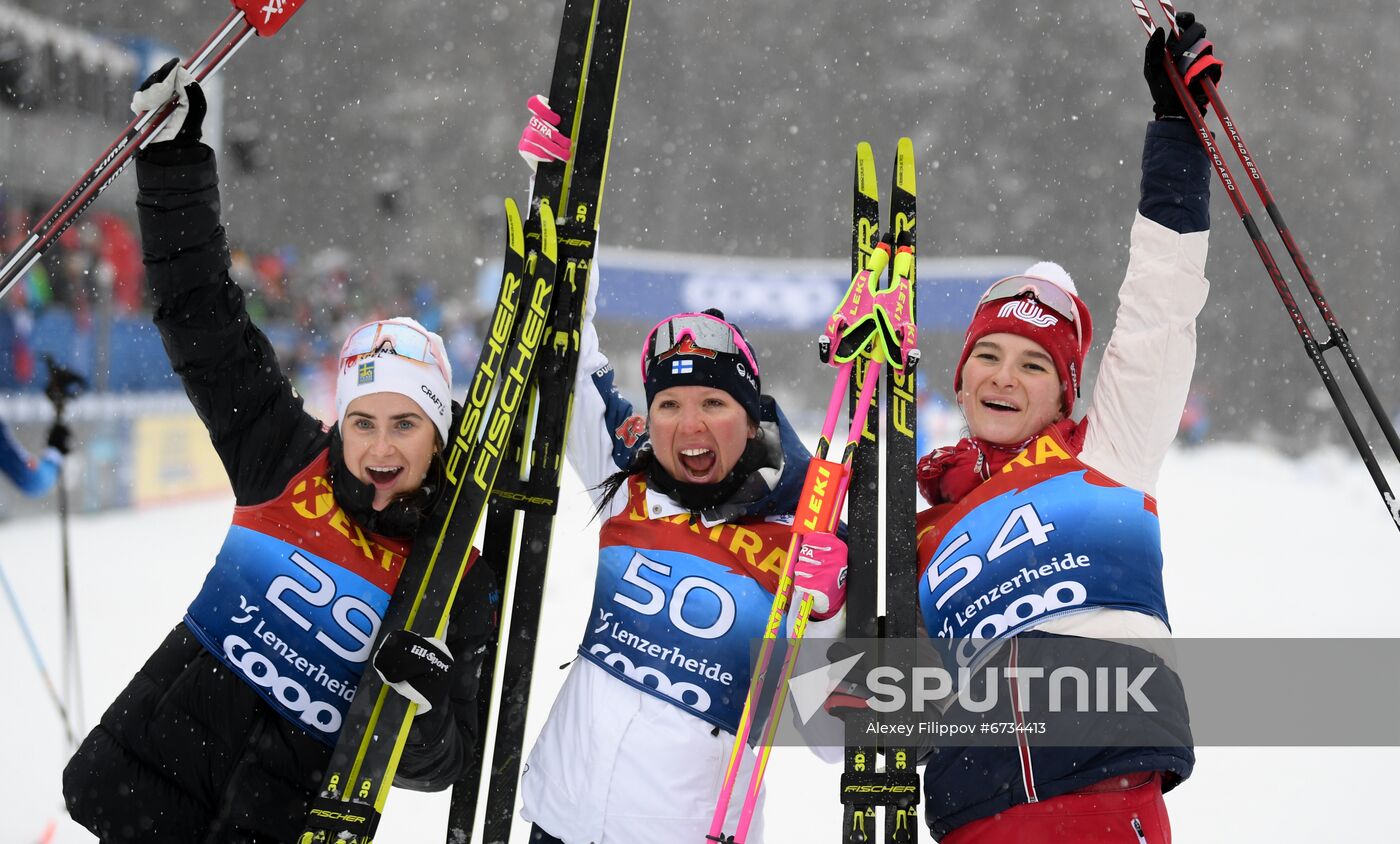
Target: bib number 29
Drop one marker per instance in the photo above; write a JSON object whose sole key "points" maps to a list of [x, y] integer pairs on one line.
{"points": [[360, 631]]}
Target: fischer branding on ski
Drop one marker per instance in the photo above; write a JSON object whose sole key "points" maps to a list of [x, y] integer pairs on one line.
{"points": [[864, 786], [871, 326], [863, 516], [901, 785], [367, 752], [583, 91]]}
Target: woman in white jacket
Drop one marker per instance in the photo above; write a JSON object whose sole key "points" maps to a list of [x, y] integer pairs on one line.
{"points": [[696, 497]]}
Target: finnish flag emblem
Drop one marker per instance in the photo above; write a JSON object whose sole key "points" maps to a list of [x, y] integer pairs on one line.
{"points": [[682, 367]]}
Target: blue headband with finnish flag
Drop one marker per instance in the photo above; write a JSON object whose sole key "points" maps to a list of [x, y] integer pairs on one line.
{"points": [[701, 350]]}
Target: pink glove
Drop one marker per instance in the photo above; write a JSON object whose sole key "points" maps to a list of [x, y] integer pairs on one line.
{"points": [[542, 141], [821, 571]]}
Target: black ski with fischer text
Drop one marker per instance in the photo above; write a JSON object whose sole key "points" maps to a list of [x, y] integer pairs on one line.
{"points": [[862, 519], [356, 785], [865, 786], [583, 91], [900, 493]]}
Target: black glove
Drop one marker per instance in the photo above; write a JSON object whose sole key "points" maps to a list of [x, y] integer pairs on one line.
{"points": [[184, 129], [850, 697], [1195, 60], [416, 667], [63, 385], [61, 438]]}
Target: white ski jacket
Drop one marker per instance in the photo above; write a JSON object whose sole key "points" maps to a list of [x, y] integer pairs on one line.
{"points": [[1141, 390], [613, 764]]}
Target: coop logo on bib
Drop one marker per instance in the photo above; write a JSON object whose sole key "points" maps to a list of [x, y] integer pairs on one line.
{"points": [[677, 626]]}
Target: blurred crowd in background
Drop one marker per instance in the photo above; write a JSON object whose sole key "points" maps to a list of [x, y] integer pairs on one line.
{"points": [[85, 304]]}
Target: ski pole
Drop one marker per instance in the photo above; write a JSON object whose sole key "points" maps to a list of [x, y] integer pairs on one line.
{"points": [[261, 17], [1313, 348], [1337, 337], [63, 386], [888, 338], [38, 659], [818, 471], [867, 323], [72, 664], [821, 475]]}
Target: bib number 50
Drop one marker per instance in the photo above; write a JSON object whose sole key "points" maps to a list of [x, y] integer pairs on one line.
{"points": [[656, 598]]}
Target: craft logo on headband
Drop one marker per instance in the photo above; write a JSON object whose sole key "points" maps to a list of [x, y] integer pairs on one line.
{"points": [[396, 356]]}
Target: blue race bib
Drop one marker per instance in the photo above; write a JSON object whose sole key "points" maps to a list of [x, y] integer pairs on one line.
{"points": [[295, 626], [678, 626], [1027, 549]]}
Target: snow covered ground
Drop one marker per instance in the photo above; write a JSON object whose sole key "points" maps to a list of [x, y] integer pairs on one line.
{"points": [[1245, 529]]}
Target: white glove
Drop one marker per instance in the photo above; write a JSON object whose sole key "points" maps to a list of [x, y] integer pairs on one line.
{"points": [[157, 93]]}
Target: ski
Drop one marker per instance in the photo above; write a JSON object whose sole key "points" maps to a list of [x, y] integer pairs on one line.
{"points": [[250, 17], [864, 786], [872, 324], [361, 770], [901, 545], [497, 547], [862, 518], [588, 68]]}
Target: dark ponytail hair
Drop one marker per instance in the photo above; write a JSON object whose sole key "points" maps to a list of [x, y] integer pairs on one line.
{"points": [[641, 463]]}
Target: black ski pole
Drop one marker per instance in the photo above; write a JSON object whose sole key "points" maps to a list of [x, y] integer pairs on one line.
{"points": [[1337, 337], [1310, 344], [260, 17], [64, 385]]}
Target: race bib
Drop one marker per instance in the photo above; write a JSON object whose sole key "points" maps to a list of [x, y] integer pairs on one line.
{"points": [[295, 626], [1034, 545], [678, 626]]}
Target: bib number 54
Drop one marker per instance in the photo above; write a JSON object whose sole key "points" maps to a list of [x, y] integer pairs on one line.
{"points": [[947, 576]]}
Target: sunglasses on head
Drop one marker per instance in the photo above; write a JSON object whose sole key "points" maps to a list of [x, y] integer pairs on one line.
{"points": [[394, 338], [1047, 293], [704, 332]]}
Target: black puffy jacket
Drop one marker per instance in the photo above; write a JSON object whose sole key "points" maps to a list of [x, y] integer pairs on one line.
{"points": [[189, 751]]}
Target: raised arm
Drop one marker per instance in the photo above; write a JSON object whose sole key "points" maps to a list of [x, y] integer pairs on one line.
{"points": [[607, 431], [230, 372], [1146, 370]]}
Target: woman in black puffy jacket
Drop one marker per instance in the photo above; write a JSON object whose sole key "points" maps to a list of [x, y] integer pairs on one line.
{"points": [[225, 732]]}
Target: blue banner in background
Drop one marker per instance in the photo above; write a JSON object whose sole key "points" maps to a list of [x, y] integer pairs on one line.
{"points": [[793, 295]]}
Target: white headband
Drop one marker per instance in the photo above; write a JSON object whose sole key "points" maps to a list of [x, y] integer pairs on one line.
{"points": [[389, 373]]}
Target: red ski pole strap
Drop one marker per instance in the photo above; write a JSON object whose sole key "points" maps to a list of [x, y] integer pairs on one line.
{"points": [[267, 16]]}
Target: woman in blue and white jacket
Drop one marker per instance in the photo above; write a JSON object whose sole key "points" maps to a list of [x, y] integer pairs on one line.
{"points": [[696, 494]]}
